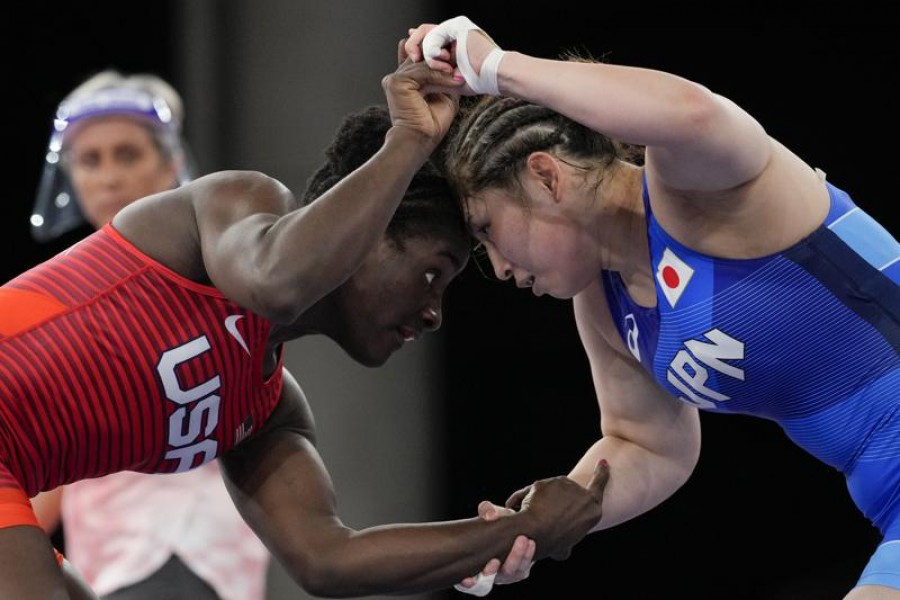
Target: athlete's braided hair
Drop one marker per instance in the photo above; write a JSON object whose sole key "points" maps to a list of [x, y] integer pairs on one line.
{"points": [[429, 207], [494, 135]]}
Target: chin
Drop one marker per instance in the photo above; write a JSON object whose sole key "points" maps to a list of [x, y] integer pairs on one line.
{"points": [[566, 296], [367, 357], [370, 347], [373, 361], [569, 291]]}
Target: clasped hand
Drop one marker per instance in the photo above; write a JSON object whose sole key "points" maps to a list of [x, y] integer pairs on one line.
{"points": [[420, 99], [565, 512], [448, 47]]}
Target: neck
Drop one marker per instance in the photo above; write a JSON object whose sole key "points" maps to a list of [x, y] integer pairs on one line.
{"points": [[620, 221]]}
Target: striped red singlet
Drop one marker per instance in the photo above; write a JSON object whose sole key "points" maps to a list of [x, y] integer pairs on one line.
{"points": [[110, 361]]}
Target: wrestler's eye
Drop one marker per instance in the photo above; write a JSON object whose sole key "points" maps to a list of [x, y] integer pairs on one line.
{"points": [[430, 276]]}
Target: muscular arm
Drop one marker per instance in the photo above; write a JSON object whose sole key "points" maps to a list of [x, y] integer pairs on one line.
{"points": [[689, 131], [717, 181], [696, 140], [283, 490], [244, 232], [268, 257], [271, 258], [651, 440]]}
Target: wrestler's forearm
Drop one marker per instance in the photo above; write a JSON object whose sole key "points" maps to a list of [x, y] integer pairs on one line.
{"points": [[403, 559], [639, 479]]}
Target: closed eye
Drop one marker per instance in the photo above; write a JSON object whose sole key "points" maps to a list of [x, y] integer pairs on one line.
{"points": [[479, 230]]}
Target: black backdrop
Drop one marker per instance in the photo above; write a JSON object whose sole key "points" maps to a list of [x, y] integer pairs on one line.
{"points": [[759, 518]]}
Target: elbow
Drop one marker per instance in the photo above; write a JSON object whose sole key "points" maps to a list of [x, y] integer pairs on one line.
{"points": [[282, 293], [276, 304], [685, 464], [322, 584], [688, 455], [323, 570], [324, 581], [699, 109], [286, 285], [313, 572]]}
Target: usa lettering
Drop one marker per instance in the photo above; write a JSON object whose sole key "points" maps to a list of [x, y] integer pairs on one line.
{"points": [[198, 408], [689, 370]]}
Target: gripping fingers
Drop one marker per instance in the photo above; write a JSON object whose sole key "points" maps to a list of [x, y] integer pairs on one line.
{"points": [[402, 54], [515, 499], [517, 565], [414, 41], [457, 29], [410, 47], [491, 512], [442, 35], [417, 76]]}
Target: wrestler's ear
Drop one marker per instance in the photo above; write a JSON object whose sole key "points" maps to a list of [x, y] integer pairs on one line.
{"points": [[544, 168]]}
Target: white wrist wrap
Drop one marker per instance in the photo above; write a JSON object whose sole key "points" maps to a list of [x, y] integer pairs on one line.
{"points": [[482, 587], [486, 81], [458, 29]]}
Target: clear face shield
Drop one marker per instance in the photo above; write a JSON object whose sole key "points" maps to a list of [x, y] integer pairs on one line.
{"points": [[56, 210]]}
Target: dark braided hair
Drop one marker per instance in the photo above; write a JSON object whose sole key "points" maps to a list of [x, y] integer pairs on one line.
{"points": [[428, 209], [494, 135]]}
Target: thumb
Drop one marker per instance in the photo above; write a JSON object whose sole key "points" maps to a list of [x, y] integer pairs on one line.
{"points": [[599, 479], [490, 511]]}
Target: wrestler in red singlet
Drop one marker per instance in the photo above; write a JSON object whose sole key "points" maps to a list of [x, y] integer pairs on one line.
{"points": [[178, 384]]}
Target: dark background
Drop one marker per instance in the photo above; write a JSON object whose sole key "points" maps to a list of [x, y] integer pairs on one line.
{"points": [[759, 518]]}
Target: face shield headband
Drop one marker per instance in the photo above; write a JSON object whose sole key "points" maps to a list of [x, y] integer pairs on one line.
{"points": [[56, 209]]}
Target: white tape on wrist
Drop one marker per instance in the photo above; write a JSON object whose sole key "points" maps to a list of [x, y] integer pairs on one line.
{"points": [[486, 81], [483, 585], [458, 29], [489, 70]]}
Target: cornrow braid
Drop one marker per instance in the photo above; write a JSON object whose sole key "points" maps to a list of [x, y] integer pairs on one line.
{"points": [[429, 206], [495, 135]]}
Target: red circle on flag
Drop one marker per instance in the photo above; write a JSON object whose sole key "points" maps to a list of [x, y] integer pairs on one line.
{"points": [[670, 276]]}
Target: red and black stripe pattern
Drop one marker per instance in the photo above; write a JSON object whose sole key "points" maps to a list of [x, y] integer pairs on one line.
{"points": [[109, 361]]}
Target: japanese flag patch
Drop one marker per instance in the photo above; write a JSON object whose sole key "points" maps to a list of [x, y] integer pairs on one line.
{"points": [[673, 275]]}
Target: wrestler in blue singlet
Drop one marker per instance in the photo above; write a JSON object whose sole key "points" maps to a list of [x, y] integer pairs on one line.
{"points": [[808, 337]]}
